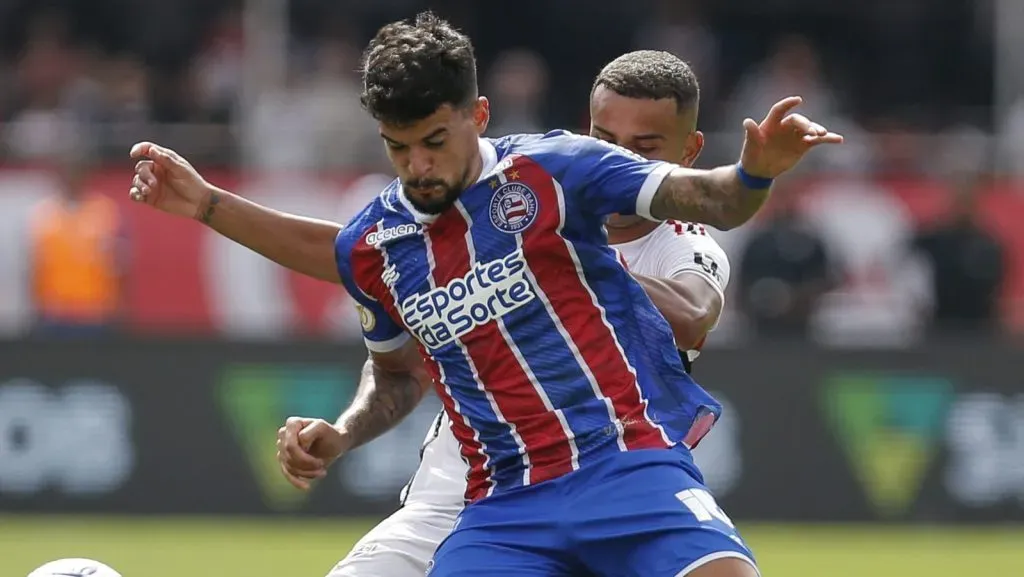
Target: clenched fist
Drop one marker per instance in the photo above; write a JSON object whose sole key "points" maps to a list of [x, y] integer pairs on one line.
{"points": [[307, 447]]}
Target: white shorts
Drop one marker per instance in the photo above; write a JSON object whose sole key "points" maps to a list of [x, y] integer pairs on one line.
{"points": [[401, 545]]}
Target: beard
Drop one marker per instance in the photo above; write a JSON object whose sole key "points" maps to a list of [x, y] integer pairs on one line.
{"points": [[434, 204]]}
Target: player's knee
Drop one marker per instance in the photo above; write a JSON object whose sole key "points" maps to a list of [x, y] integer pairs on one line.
{"points": [[374, 560], [724, 567]]}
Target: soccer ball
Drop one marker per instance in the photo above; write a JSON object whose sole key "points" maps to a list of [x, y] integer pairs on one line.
{"points": [[74, 568]]}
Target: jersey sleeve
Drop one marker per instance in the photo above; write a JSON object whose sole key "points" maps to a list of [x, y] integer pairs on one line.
{"points": [[605, 178], [356, 269], [696, 252]]}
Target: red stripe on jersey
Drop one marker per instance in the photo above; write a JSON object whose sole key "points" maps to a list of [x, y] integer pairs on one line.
{"points": [[367, 263], [478, 482], [552, 264], [546, 444], [368, 270]]}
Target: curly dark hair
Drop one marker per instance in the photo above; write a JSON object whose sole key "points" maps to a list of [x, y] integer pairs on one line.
{"points": [[651, 74], [412, 68]]}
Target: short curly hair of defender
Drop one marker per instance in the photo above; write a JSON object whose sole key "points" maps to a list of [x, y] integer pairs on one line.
{"points": [[651, 74], [412, 68]]}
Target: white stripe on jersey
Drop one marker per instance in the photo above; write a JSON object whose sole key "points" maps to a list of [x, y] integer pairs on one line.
{"points": [[522, 361], [471, 249], [448, 391], [604, 319]]}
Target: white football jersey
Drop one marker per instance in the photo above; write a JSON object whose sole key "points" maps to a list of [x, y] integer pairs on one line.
{"points": [[669, 251], [440, 479], [675, 249]]}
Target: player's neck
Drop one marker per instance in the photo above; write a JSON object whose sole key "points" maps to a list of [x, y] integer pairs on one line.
{"points": [[481, 162], [630, 233], [478, 168]]}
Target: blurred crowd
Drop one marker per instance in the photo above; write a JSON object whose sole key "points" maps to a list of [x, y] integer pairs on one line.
{"points": [[844, 255]]}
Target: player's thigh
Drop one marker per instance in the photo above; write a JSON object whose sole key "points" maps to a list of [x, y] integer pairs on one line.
{"points": [[400, 546], [477, 552], [656, 520], [508, 535], [694, 552], [724, 567]]}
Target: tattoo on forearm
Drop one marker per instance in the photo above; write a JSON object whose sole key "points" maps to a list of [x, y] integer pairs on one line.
{"points": [[207, 214], [688, 199], [384, 402], [715, 197]]}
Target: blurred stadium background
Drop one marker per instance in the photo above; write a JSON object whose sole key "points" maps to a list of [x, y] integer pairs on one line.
{"points": [[870, 355]]}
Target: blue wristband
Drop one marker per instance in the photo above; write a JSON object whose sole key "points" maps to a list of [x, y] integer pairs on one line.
{"points": [[751, 181]]}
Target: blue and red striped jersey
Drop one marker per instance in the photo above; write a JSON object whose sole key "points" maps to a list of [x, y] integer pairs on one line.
{"points": [[545, 352]]}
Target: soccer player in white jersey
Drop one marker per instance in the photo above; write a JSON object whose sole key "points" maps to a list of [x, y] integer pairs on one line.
{"points": [[647, 102]]}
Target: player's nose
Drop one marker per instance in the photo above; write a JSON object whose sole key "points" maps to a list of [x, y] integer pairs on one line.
{"points": [[421, 163]]}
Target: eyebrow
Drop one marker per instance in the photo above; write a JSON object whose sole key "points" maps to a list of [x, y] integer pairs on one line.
{"points": [[650, 136], [430, 136], [435, 133]]}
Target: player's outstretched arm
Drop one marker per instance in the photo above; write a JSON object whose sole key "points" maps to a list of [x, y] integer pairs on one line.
{"points": [[729, 196], [166, 181]]}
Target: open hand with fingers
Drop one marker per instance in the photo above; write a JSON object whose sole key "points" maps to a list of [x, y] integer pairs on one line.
{"points": [[166, 181], [778, 142], [307, 447]]}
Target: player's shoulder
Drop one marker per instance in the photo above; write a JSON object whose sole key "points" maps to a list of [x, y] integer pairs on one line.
{"points": [[531, 143], [558, 142], [683, 233], [368, 218], [685, 238], [557, 150], [691, 247]]}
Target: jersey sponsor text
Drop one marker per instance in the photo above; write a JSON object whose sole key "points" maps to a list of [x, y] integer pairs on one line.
{"points": [[487, 292]]}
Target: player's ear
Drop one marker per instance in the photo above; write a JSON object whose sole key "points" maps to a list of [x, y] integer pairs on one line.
{"points": [[693, 148], [481, 114]]}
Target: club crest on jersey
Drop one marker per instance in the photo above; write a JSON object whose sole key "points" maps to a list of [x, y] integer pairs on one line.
{"points": [[513, 207]]}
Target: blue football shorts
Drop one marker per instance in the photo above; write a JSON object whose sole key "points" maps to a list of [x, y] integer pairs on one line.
{"points": [[642, 513]]}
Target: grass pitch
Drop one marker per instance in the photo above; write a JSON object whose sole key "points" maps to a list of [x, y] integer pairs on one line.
{"points": [[190, 547]]}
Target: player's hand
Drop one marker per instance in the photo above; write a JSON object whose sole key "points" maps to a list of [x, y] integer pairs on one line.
{"points": [[307, 447], [779, 142], [166, 181]]}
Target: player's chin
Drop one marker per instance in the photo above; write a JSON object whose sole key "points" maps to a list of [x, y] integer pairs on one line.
{"points": [[433, 202]]}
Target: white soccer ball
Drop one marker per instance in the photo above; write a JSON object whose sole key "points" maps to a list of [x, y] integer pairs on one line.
{"points": [[74, 568]]}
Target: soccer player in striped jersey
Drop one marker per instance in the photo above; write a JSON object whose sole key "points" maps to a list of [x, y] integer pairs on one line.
{"points": [[484, 269], [647, 102]]}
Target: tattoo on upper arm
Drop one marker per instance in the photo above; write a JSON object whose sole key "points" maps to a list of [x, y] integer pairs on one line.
{"points": [[389, 399]]}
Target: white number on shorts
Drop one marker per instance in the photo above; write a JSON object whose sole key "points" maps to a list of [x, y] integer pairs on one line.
{"points": [[703, 506]]}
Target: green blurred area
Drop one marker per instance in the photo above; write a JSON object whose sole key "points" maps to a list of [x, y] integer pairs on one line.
{"points": [[190, 547]]}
